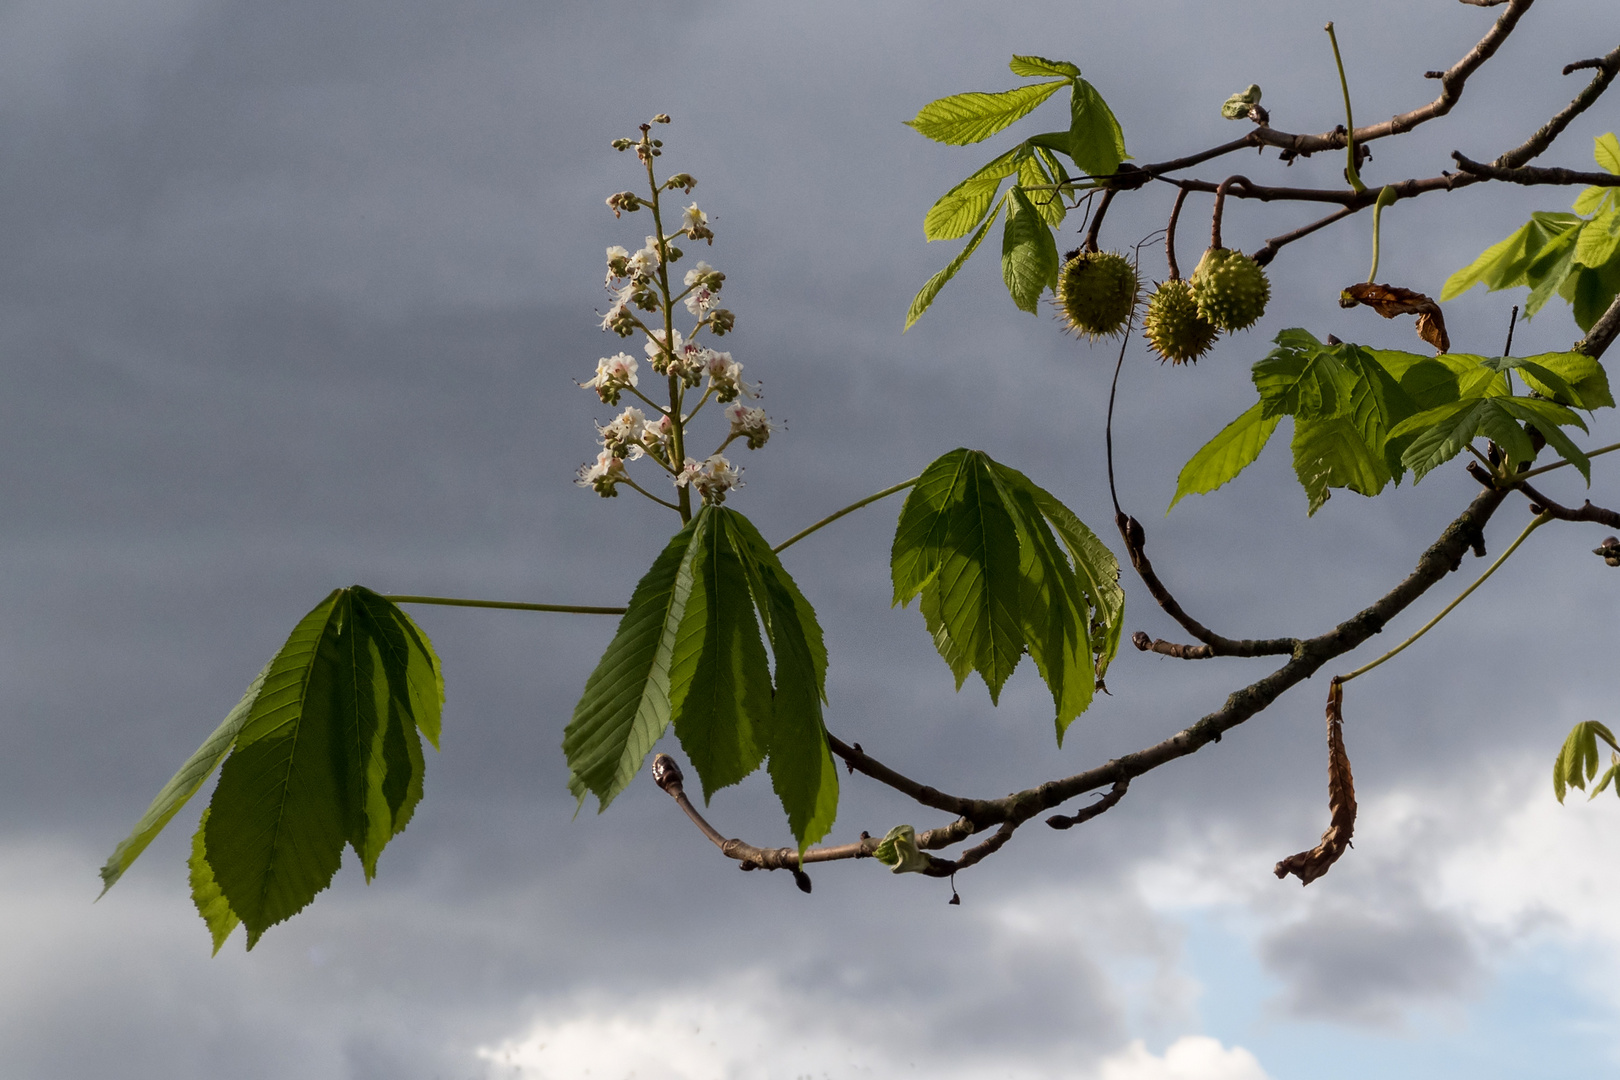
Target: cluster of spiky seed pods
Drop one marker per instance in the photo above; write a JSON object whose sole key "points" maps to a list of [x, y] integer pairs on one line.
{"points": [[1097, 291]]}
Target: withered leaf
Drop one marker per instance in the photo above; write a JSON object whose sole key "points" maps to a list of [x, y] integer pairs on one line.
{"points": [[1391, 300], [1312, 864]]}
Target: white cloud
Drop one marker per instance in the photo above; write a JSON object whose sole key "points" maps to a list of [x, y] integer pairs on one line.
{"points": [[751, 1029], [1191, 1057]]}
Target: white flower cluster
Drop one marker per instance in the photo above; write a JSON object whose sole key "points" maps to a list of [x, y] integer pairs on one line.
{"points": [[641, 281]]}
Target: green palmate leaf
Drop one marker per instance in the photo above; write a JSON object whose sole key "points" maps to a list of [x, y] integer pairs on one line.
{"points": [[1328, 453], [1427, 381], [625, 707], [975, 541], [973, 117], [205, 893], [1227, 454], [1577, 762], [689, 652], [1096, 141], [182, 786], [925, 295], [1438, 435], [964, 206], [1036, 67], [1590, 292], [330, 754], [801, 766], [1029, 255], [720, 681], [1303, 378]]}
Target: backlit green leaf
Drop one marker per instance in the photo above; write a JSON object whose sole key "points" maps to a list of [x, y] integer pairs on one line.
{"points": [[1577, 761], [1599, 239], [964, 206], [1032, 178], [625, 707], [973, 117], [1606, 152], [1036, 67], [1029, 255], [925, 295], [205, 894], [1328, 453], [1227, 454], [1096, 141]]}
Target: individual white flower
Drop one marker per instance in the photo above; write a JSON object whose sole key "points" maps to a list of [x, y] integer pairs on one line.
{"points": [[658, 355], [622, 436], [656, 435], [618, 262], [603, 476], [749, 423], [725, 376], [712, 478], [693, 218], [644, 261], [614, 374], [698, 273], [698, 300]]}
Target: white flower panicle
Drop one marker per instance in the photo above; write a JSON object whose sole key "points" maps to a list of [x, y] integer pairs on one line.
{"points": [[614, 375], [749, 423], [712, 478], [643, 281]]}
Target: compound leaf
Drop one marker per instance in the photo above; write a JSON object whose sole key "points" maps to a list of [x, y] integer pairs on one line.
{"points": [[1577, 761]]}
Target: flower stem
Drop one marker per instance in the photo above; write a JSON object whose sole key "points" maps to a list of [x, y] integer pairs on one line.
{"points": [[851, 508], [449, 601], [1536, 523]]}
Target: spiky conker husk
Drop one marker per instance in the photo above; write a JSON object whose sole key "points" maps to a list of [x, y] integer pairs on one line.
{"points": [[1231, 289], [1096, 291], [1173, 326]]}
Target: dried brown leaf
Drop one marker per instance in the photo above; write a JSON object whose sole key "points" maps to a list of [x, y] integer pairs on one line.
{"points": [[1312, 864], [1391, 300]]}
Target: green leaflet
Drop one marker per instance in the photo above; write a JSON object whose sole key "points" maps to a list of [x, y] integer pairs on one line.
{"points": [[975, 541], [1096, 142], [1577, 762], [1574, 256], [1029, 255], [898, 850], [1227, 454], [973, 117], [205, 893], [925, 295], [324, 749], [1032, 176], [1330, 453], [964, 206], [689, 652], [625, 706], [182, 786], [1036, 67]]}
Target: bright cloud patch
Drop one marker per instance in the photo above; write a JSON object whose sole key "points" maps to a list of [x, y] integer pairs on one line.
{"points": [[751, 1030]]}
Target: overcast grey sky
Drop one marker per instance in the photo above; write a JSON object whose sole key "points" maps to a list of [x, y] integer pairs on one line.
{"points": [[296, 296]]}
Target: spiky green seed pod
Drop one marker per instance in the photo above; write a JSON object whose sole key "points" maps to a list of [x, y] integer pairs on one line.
{"points": [[1096, 291], [1173, 326], [1231, 289]]}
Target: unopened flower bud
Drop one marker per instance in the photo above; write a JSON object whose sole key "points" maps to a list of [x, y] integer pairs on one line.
{"points": [[721, 320], [661, 118], [685, 181], [623, 144], [627, 201]]}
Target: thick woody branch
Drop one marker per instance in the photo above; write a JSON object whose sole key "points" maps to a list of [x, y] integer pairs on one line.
{"points": [[1603, 332], [1530, 174]]}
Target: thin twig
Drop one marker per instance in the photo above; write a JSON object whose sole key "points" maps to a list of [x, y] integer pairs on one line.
{"points": [[1170, 234], [449, 601], [1540, 504], [1097, 220], [851, 508]]}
